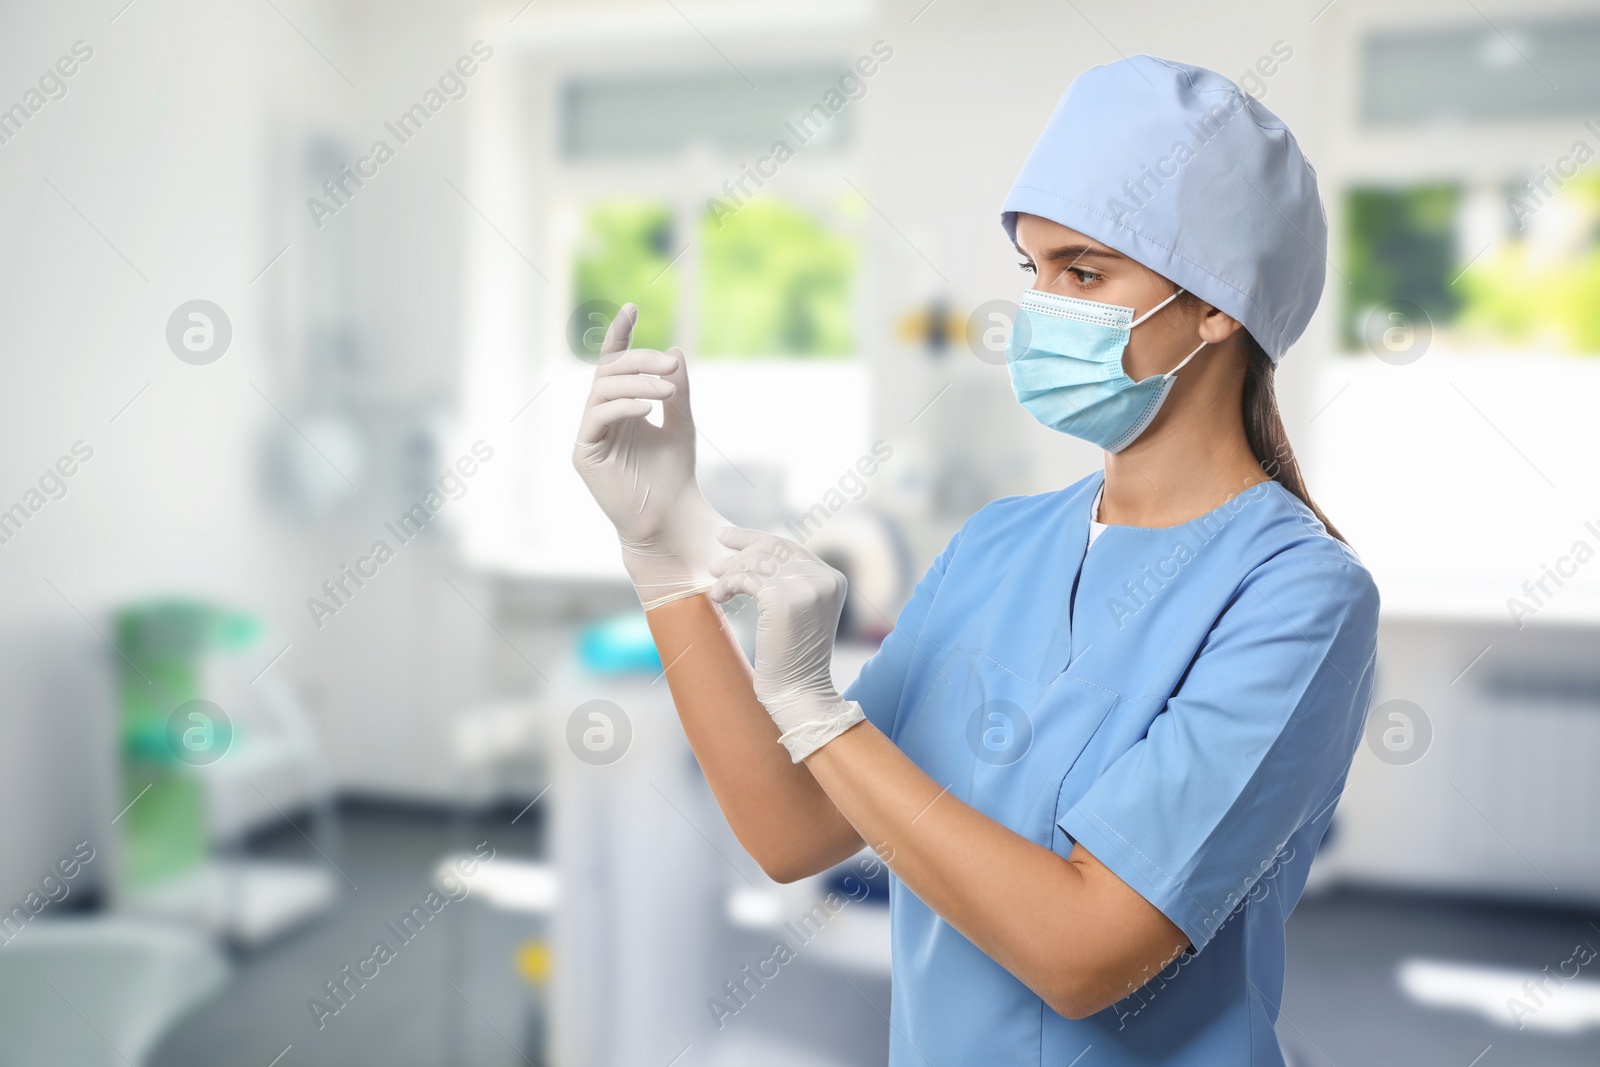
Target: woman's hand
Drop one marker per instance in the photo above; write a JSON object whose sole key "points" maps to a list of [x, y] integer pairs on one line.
{"points": [[643, 476], [800, 598]]}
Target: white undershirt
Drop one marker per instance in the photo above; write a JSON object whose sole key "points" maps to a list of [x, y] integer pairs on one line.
{"points": [[1096, 527]]}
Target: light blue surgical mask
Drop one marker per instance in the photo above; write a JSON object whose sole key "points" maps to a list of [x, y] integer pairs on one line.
{"points": [[1065, 357]]}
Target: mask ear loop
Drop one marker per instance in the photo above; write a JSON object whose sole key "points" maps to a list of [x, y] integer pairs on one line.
{"points": [[1173, 372], [1185, 361], [1155, 309]]}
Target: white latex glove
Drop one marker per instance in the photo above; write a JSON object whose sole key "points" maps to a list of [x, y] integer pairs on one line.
{"points": [[641, 475], [800, 598]]}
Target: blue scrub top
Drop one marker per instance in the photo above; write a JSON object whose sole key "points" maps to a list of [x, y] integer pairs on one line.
{"points": [[1182, 701]]}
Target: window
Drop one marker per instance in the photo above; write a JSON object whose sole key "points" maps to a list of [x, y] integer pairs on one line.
{"points": [[775, 279], [1478, 71], [1510, 266], [624, 249], [665, 188]]}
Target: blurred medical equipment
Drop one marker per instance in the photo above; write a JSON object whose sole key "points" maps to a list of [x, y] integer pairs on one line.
{"points": [[1481, 783], [100, 992], [651, 889], [869, 546], [498, 751], [313, 482], [211, 753], [500, 959], [633, 832], [934, 325], [59, 762]]}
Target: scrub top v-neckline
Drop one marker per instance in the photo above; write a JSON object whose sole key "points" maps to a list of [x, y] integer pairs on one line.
{"points": [[1096, 527]]}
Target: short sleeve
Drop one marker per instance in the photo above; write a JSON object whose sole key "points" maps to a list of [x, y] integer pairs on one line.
{"points": [[882, 679], [1255, 743]]}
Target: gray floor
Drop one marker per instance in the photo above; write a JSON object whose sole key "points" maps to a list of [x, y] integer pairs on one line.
{"points": [[1342, 1004], [452, 996]]}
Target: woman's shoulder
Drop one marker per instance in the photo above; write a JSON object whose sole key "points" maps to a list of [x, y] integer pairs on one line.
{"points": [[1292, 548], [1267, 530], [1287, 521]]}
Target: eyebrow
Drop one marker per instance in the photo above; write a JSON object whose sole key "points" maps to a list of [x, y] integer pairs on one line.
{"points": [[1073, 253]]}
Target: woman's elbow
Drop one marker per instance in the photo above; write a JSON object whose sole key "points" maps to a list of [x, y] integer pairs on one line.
{"points": [[1079, 1009], [1078, 993], [1074, 1006], [784, 869], [786, 865], [785, 860]]}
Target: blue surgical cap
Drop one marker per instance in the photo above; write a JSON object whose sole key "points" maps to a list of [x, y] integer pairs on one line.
{"points": [[1179, 169]]}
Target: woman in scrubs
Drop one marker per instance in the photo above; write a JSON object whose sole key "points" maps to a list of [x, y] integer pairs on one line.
{"points": [[1107, 733]]}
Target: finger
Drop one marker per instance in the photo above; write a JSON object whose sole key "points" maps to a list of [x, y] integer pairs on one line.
{"points": [[756, 560], [757, 549], [643, 386], [738, 563], [620, 332], [678, 416], [638, 361], [739, 537], [732, 585], [601, 417]]}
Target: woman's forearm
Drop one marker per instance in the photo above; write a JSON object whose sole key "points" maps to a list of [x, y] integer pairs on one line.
{"points": [[1066, 927], [777, 810]]}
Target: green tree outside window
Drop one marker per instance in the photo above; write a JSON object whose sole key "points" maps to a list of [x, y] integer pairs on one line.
{"points": [[775, 281], [622, 256]]}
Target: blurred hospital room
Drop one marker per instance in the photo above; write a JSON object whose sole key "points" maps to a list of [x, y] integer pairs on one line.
{"points": [[334, 732]]}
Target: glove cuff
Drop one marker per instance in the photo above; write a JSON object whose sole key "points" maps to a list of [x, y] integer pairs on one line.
{"points": [[650, 603], [675, 566], [807, 737]]}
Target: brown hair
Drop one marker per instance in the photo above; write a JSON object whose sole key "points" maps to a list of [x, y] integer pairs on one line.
{"points": [[1263, 425], [1263, 428]]}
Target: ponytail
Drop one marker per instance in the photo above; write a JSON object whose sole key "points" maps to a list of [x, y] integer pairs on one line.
{"points": [[1263, 428]]}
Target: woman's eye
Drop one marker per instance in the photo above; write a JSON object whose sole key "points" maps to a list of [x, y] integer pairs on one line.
{"points": [[1029, 267], [1085, 277]]}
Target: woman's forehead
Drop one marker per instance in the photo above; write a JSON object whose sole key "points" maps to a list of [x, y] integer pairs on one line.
{"points": [[1047, 231], [1045, 238]]}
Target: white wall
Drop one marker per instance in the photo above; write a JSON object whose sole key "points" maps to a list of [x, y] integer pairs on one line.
{"points": [[158, 147]]}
